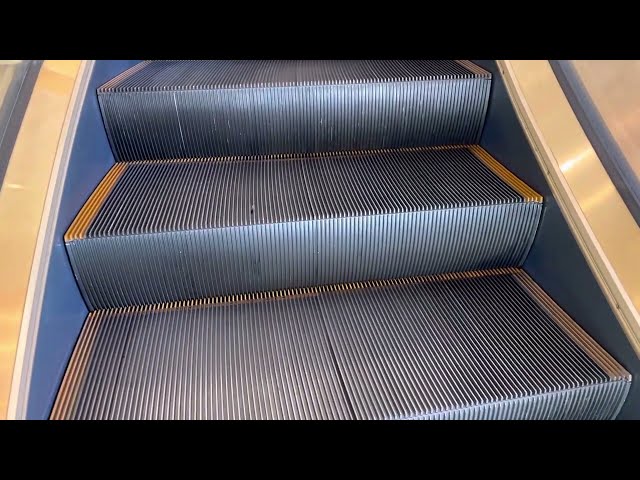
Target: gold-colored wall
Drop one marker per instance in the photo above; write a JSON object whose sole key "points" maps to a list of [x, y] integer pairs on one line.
{"points": [[22, 202]]}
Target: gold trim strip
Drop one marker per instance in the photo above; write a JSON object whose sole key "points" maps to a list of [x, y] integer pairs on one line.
{"points": [[90, 209], [528, 193], [572, 329]]}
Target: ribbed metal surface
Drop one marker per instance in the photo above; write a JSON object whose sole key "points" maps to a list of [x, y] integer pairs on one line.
{"points": [[260, 361], [455, 346], [195, 109], [181, 230], [469, 347]]}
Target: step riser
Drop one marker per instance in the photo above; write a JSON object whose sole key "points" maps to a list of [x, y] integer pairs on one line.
{"points": [[261, 121], [144, 269]]}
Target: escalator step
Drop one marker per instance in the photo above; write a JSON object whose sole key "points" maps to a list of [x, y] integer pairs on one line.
{"points": [[194, 109], [165, 231], [484, 345]]}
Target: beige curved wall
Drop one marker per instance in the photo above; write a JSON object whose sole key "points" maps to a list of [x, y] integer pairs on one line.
{"points": [[614, 88], [22, 203]]}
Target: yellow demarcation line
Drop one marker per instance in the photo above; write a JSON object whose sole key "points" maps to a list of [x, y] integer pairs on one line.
{"points": [[528, 193], [88, 212]]}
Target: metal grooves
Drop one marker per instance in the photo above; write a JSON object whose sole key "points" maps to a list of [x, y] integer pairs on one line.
{"points": [[95, 366], [573, 330], [266, 360], [469, 346], [304, 272], [196, 109], [584, 403], [181, 230]]}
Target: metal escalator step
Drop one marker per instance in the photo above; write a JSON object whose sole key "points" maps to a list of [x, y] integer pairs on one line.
{"points": [[476, 345], [163, 231], [195, 109]]}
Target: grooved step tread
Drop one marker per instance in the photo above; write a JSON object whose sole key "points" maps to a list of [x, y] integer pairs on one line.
{"points": [[154, 197], [476, 345]]}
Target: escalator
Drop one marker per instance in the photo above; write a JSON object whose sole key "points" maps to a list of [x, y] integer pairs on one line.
{"points": [[316, 240]]}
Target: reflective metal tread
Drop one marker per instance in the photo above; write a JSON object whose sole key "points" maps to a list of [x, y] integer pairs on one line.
{"points": [[167, 231], [485, 345], [194, 109]]}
